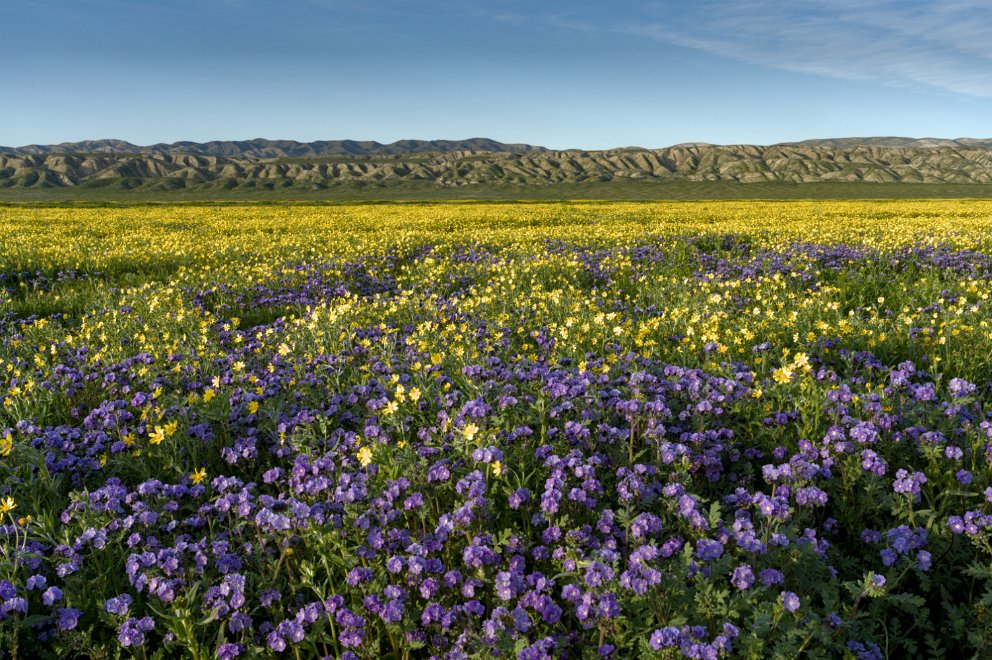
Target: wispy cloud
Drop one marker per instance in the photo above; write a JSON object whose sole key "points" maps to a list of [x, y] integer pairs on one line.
{"points": [[944, 45]]}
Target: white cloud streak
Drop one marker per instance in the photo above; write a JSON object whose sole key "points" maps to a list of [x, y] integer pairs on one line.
{"points": [[943, 45]]}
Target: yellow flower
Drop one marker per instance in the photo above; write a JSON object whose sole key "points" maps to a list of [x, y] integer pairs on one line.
{"points": [[497, 468], [198, 475], [7, 504], [470, 430], [7, 444], [391, 407], [364, 456], [208, 394], [252, 407], [415, 394], [157, 435], [782, 375]]}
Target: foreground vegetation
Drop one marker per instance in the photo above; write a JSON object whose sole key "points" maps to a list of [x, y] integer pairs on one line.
{"points": [[111, 192], [698, 430]]}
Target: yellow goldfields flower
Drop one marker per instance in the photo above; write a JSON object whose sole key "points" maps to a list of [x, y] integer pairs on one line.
{"points": [[252, 407], [782, 375], [364, 456], [470, 430], [7, 444], [157, 435], [198, 475], [497, 468], [415, 394], [208, 394], [7, 504]]}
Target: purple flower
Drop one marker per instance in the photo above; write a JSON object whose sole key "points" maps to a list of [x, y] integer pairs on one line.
{"points": [[789, 600], [665, 638], [275, 642], [228, 651], [51, 596], [958, 387], [908, 483], [36, 582], [742, 577], [119, 605], [68, 618], [708, 549], [132, 632]]}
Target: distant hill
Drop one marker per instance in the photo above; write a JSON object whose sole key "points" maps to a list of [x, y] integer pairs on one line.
{"points": [[892, 142], [261, 149], [272, 164]]}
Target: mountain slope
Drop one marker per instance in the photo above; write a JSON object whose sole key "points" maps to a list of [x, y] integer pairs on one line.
{"points": [[958, 164], [260, 148]]}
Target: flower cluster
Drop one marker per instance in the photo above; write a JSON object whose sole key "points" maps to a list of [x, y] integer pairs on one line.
{"points": [[523, 432]]}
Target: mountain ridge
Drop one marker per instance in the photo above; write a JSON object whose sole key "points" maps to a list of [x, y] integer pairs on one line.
{"points": [[964, 162], [262, 148]]}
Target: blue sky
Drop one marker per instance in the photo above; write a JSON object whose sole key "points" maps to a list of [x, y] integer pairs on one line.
{"points": [[560, 73]]}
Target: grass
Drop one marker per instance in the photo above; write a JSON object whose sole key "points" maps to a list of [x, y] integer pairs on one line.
{"points": [[428, 191]]}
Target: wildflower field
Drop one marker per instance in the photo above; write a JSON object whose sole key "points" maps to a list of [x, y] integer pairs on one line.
{"points": [[660, 430]]}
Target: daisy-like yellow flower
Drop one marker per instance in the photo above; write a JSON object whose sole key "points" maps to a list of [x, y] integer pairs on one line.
{"points": [[782, 375], [252, 407], [208, 394], [7, 444], [364, 456], [7, 504], [157, 435], [470, 430], [391, 408], [198, 475], [497, 468], [415, 394]]}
